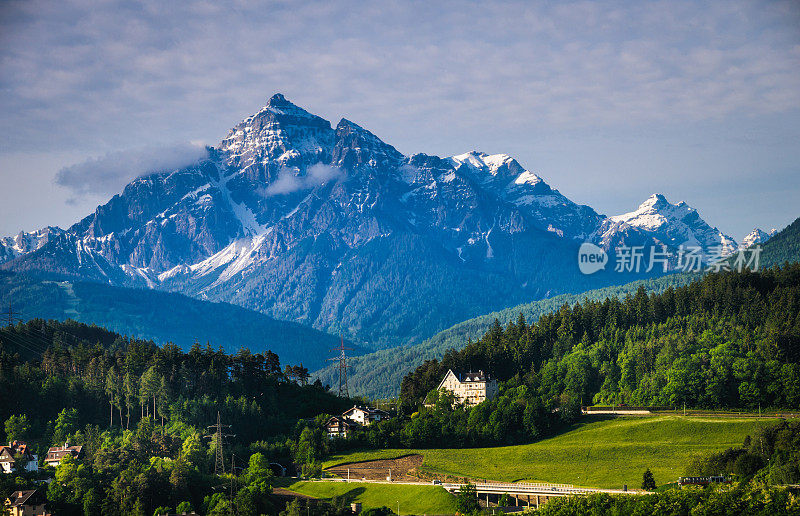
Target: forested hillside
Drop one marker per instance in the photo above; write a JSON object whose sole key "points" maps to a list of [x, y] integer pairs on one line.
{"points": [[164, 317], [783, 247], [140, 411], [379, 374], [728, 340]]}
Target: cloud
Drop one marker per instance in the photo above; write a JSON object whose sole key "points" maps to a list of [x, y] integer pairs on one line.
{"points": [[290, 181], [76, 70], [110, 173]]}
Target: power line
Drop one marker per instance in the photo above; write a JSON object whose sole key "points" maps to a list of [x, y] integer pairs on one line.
{"points": [[19, 343], [25, 339]]}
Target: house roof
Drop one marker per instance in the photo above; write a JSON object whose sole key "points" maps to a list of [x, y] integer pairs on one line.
{"points": [[59, 452], [339, 420], [368, 410], [469, 377], [15, 448], [27, 497]]}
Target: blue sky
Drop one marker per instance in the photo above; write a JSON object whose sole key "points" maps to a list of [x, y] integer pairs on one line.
{"points": [[609, 102]]}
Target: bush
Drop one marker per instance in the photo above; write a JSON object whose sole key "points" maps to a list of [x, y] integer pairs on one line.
{"points": [[467, 499], [313, 469]]}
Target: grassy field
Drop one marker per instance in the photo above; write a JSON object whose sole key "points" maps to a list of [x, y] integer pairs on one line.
{"points": [[606, 453], [413, 499]]}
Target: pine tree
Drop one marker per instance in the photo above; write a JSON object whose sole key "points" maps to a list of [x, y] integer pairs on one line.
{"points": [[648, 481]]}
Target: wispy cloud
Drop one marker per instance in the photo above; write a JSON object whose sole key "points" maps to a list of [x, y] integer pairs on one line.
{"points": [[289, 180], [108, 174], [120, 72]]}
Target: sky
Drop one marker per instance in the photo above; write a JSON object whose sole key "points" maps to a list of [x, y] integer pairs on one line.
{"points": [[609, 102]]}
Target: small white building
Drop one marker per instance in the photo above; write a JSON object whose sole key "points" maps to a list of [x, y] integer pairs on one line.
{"points": [[365, 416], [339, 427], [14, 453], [469, 388]]}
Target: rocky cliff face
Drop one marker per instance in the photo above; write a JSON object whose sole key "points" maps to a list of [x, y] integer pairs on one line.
{"points": [[335, 228]]}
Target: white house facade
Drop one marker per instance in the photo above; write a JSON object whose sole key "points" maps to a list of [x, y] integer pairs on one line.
{"points": [[469, 388]]}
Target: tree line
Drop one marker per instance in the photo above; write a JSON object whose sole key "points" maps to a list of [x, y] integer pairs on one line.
{"points": [[729, 340]]}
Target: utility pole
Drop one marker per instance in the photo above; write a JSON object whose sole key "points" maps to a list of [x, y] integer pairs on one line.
{"points": [[342, 360], [218, 437], [11, 316]]}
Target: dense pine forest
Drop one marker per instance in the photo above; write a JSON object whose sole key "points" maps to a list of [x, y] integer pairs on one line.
{"points": [[141, 413]]}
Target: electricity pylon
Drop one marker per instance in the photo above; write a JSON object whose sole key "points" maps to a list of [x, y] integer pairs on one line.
{"points": [[342, 360], [219, 437]]}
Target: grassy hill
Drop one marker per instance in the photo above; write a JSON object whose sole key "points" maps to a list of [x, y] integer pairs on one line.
{"points": [[412, 499], [165, 317], [604, 453]]}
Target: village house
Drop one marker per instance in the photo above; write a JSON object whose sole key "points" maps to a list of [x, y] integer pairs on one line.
{"points": [[58, 453], [15, 453], [26, 503], [365, 416], [469, 388], [342, 426], [339, 427]]}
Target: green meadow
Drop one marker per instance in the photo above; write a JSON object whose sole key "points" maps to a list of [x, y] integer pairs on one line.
{"points": [[606, 453], [412, 499]]}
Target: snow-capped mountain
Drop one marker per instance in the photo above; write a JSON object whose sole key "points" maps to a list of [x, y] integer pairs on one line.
{"points": [[675, 225], [757, 236], [333, 227], [26, 242]]}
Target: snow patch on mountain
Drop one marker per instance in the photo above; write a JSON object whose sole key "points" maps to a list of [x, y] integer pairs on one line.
{"points": [[757, 236], [26, 242], [232, 260], [675, 225]]}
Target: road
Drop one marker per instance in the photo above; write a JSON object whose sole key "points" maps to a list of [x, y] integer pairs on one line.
{"points": [[499, 488]]}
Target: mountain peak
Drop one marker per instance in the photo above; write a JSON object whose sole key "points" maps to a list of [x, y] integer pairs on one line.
{"points": [[348, 125], [675, 224], [757, 236], [277, 100], [656, 200], [495, 166], [356, 145], [279, 132]]}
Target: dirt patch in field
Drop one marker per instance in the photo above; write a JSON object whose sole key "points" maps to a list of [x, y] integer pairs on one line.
{"points": [[401, 469]]}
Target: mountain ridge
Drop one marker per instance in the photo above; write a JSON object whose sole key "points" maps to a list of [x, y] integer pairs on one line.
{"points": [[334, 228]]}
